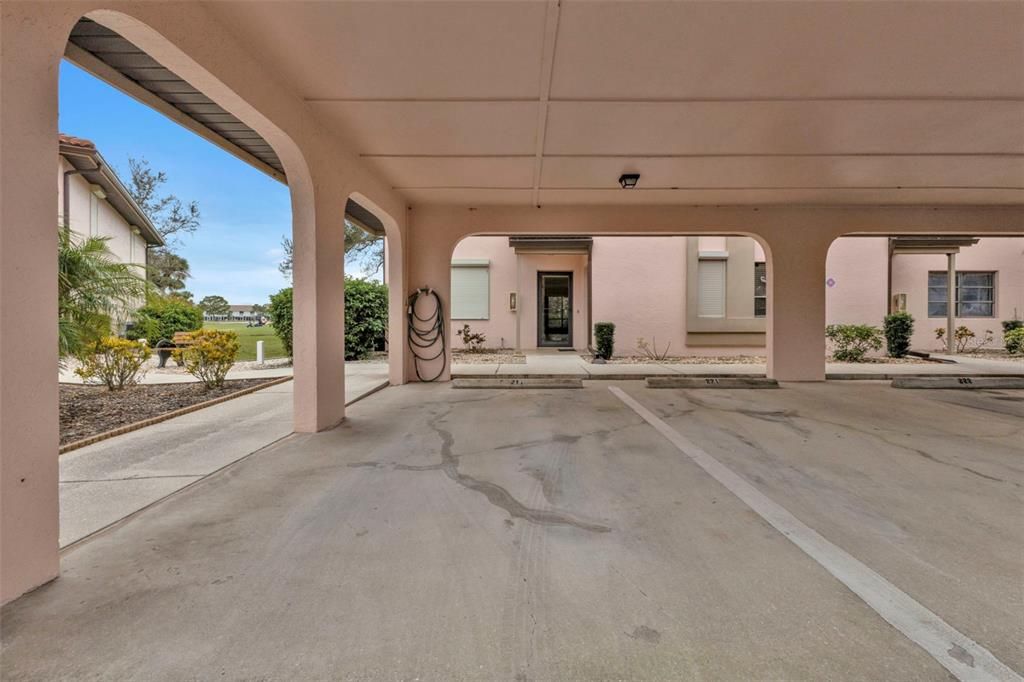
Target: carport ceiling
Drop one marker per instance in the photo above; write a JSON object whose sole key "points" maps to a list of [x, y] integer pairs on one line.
{"points": [[547, 102]]}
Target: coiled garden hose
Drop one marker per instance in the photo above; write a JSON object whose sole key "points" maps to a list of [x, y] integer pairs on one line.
{"points": [[426, 332]]}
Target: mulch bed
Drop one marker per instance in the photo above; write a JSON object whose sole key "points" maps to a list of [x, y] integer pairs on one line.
{"points": [[487, 357], [90, 410]]}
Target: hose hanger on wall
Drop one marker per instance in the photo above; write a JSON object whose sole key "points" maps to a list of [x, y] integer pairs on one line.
{"points": [[426, 332]]}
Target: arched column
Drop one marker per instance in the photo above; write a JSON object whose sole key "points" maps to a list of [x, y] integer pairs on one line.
{"points": [[318, 327], [33, 41]]}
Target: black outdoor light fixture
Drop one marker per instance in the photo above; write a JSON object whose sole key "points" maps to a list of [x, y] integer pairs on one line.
{"points": [[629, 180]]}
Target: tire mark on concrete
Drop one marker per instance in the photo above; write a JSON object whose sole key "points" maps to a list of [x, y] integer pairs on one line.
{"points": [[496, 494]]}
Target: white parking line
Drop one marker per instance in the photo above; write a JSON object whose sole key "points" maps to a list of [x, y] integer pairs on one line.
{"points": [[956, 652]]}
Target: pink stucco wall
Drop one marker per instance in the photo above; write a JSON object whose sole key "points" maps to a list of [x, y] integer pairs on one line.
{"points": [[502, 322], [640, 285], [856, 275], [508, 273], [1004, 256]]}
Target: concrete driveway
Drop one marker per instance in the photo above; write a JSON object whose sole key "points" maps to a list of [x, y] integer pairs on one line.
{"points": [[546, 534]]}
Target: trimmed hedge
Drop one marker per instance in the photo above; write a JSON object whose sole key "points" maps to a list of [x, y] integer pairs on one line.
{"points": [[366, 317], [604, 339], [899, 327], [162, 316]]}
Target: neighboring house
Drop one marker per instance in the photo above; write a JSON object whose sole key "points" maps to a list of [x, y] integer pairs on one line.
{"points": [[237, 313], [530, 292], [93, 201]]}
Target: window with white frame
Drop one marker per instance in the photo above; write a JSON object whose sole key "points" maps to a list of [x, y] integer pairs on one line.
{"points": [[471, 289], [975, 294], [711, 287], [760, 290]]}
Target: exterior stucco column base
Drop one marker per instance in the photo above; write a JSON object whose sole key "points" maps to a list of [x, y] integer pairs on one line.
{"points": [[796, 306]]}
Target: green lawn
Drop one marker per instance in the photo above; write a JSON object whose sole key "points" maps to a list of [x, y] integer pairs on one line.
{"points": [[247, 338]]}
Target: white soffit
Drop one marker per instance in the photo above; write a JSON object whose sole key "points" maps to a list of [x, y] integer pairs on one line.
{"points": [[538, 101]]}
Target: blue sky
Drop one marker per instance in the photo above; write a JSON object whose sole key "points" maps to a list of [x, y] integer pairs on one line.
{"points": [[236, 250]]}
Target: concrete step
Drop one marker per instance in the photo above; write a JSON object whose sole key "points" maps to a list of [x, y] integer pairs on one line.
{"points": [[973, 382], [711, 382], [531, 382]]}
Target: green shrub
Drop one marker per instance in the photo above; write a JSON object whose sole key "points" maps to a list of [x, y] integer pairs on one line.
{"points": [[162, 316], [366, 317], [1014, 340], [851, 342], [280, 313], [1009, 327], [210, 356], [604, 338], [899, 327], [114, 362]]}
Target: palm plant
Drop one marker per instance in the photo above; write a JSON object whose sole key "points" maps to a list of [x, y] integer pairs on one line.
{"points": [[92, 286]]}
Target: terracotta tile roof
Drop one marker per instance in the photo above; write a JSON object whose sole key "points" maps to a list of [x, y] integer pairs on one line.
{"points": [[76, 141]]}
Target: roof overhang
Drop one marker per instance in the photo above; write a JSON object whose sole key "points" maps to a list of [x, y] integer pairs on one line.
{"points": [[94, 168], [112, 58], [559, 244], [930, 245]]}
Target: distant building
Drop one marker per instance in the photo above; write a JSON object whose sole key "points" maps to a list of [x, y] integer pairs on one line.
{"points": [[238, 313]]}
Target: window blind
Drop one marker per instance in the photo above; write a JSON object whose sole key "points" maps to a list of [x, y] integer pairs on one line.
{"points": [[711, 288]]}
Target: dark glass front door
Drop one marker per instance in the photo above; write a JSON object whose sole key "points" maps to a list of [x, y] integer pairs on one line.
{"points": [[554, 309]]}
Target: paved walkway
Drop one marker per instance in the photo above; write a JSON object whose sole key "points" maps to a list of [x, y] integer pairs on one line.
{"points": [[105, 482], [565, 364]]}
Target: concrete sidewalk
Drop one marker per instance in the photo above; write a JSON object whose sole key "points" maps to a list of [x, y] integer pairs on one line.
{"points": [[103, 483], [571, 365]]}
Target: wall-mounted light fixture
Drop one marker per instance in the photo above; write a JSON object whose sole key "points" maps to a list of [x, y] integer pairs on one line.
{"points": [[629, 180], [513, 301]]}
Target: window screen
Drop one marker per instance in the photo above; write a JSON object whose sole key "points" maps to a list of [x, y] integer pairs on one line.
{"points": [[471, 291], [975, 294], [711, 288]]}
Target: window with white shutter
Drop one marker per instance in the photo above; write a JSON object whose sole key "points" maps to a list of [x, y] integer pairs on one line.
{"points": [[711, 288], [471, 290]]}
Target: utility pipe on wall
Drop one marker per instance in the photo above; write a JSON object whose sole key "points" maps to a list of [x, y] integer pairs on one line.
{"points": [[950, 301], [67, 185]]}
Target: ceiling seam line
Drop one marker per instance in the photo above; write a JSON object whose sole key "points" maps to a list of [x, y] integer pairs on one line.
{"points": [[547, 70], [661, 100]]}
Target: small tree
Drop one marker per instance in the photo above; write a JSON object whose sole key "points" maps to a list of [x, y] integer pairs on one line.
{"points": [[210, 356], [280, 312], [604, 337], [162, 316], [964, 339], [473, 341], [851, 342], [215, 305], [366, 316], [899, 327], [91, 287]]}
